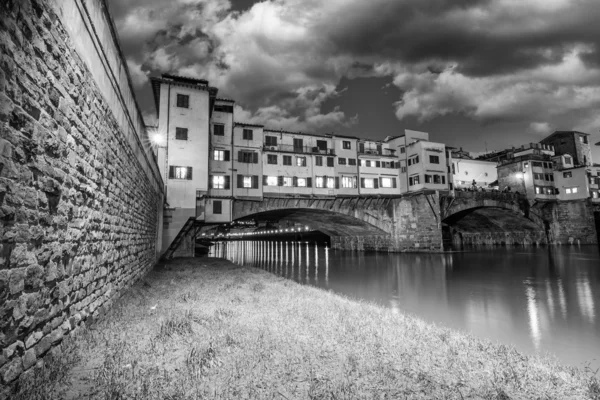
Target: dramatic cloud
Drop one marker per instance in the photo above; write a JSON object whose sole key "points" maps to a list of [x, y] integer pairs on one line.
{"points": [[536, 62]]}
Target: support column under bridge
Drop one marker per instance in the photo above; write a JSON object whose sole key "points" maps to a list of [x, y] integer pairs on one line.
{"points": [[395, 224]]}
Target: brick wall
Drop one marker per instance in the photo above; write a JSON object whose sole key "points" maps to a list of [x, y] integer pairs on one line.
{"points": [[80, 198]]}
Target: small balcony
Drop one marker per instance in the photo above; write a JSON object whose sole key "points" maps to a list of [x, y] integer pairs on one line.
{"points": [[375, 152], [289, 148]]}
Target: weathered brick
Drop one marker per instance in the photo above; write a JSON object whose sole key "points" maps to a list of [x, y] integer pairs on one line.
{"points": [[43, 345], [29, 359]]}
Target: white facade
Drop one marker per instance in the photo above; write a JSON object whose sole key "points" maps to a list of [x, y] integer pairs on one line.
{"points": [[465, 171]]}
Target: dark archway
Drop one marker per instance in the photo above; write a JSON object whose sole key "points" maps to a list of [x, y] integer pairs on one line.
{"points": [[330, 223]]}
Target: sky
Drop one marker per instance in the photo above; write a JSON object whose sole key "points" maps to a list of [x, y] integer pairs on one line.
{"points": [[477, 74]]}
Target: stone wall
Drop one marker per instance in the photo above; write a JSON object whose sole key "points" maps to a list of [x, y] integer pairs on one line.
{"points": [[570, 222], [416, 227], [80, 197]]}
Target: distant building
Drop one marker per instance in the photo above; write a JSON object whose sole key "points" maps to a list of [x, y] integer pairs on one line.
{"points": [[467, 172], [529, 170], [573, 143], [424, 165]]}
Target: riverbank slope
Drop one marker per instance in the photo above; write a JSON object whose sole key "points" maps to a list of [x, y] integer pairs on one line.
{"points": [[207, 328]]}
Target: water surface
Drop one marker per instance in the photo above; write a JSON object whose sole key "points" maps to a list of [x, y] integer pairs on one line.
{"points": [[537, 299]]}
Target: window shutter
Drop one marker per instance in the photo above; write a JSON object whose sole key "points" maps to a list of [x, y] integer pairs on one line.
{"points": [[239, 156], [226, 157], [376, 183], [227, 182], [171, 172], [295, 181], [280, 180], [210, 181], [254, 181], [240, 181], [362, 182], [255, 158], [189, 174], [308, 182], [264, 180], [380, 179], [394, 185], [337, 182]]}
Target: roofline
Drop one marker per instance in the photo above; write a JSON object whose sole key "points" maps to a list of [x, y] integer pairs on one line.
{"points": [[157, 81], [225, 100], [245, 124]]}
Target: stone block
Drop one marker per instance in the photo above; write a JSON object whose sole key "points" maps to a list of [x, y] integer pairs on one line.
{"points": [[33, 339], [11, 371], [43, 346], [29, 359]]}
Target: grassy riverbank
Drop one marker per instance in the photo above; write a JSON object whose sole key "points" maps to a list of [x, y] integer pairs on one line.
{"points": [[206, 328]]}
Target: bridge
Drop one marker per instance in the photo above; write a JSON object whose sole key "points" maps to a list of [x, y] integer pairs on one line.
{"points": [[424, 221]]}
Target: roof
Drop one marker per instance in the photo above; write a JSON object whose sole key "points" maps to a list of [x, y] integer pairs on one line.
{"points": [[199, 84], [251, 125], [224, 99], [562, 133], [296, 133]]}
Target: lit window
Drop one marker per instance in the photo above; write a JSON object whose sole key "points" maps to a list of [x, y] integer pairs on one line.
{"points": [[574, 190], [301, 182], [595, 194], [538, 190], [288, 181], [219, 155], [180, 172], [271, 181], [330, 182], [349, 182], [369, 184], [301, 161], [219, 182], [568, 190], [386, 182], [319, 182]]}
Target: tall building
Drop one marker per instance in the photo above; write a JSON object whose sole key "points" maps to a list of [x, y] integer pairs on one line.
{"points": [[184, 107]]}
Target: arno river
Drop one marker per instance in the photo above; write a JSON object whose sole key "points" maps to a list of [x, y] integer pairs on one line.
{"points": [[541, 300]]}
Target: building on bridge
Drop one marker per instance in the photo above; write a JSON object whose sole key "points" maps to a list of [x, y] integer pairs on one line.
{"points": [[209, 160]]}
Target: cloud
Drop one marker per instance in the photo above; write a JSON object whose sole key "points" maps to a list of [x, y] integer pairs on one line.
{"points": [[138, 76], [489, 60]]}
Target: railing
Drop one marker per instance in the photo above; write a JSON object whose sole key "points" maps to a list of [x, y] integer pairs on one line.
{"points": [[385, 152], [289, 148], [490, 194]]}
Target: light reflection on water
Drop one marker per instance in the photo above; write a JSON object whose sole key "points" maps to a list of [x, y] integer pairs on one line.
{"points": [[538, 299]]}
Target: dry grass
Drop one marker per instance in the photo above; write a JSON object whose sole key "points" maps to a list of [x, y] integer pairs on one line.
{"points": [[205, 328]]}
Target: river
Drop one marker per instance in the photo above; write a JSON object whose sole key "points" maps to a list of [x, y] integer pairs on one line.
{"points": [[541, 300]]}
